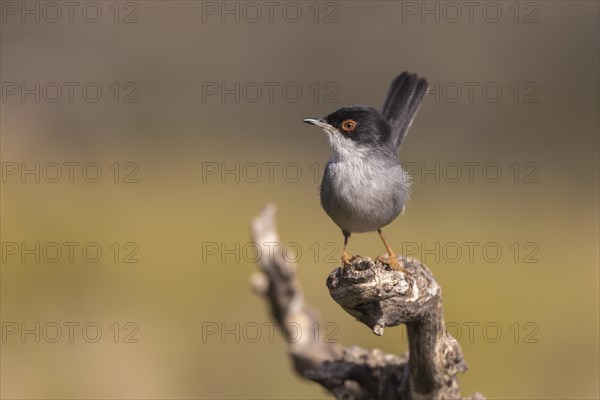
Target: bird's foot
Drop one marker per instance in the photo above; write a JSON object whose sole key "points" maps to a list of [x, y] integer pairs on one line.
{"points": [[346, 262], [392, 261]]}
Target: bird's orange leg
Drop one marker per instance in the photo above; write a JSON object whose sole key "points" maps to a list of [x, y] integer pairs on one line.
{"points": [[345, 256], [392, 259]]}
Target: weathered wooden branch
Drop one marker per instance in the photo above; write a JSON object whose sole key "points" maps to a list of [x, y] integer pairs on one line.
{"points": [[378, 297]]}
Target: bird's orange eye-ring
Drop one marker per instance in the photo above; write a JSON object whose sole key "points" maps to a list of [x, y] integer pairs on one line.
{"points": [[348, 125]]}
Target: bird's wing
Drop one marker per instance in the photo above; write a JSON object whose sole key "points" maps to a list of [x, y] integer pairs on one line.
{"points": [[403, 100]]}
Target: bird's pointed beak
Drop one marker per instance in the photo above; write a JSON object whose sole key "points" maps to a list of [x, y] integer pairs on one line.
{"points": [[318, 122]]}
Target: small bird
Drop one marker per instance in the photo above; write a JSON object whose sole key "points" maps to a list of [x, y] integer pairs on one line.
{"points": [[364, 187]]}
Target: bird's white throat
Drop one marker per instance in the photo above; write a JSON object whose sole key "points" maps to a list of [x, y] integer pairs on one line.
{"points": [[344, 149]]}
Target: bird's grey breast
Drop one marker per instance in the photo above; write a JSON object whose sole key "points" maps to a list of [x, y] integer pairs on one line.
{"points": [[363, 194]]}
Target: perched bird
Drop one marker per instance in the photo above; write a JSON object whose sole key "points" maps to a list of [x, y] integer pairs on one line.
{"points": [[364, 187]]}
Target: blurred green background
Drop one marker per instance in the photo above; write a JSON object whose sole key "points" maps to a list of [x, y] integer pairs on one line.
{"points": [[532, 114]]}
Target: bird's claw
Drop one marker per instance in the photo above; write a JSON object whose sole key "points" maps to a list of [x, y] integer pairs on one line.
{"points": [[346, 260], [392, 261]]}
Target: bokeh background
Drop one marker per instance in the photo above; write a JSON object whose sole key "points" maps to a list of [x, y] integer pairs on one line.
{"points": [[532, 115]]}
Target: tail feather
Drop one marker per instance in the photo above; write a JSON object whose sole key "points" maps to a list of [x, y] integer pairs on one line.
{"points": [[404, 98]]}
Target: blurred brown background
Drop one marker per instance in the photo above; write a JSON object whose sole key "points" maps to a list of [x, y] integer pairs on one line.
{"points": [[515, 91]]}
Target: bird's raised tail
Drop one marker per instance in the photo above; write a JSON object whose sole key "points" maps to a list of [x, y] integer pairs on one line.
{"points": [[403, 100]]}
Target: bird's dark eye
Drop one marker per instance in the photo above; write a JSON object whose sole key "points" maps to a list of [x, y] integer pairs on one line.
{"points": [[348, 125]]}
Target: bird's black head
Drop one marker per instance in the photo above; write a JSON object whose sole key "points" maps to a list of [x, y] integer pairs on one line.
{"points": [[359, 124]]}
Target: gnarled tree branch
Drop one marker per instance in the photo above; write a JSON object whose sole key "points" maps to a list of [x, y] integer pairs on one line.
{"points": [[378, 297]]}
